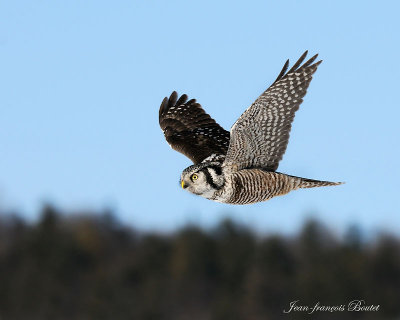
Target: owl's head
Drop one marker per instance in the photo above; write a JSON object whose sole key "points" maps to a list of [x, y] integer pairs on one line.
{"points": [[203, 179]]}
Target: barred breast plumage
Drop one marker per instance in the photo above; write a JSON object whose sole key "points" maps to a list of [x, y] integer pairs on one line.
{"points": [[254, 185]]}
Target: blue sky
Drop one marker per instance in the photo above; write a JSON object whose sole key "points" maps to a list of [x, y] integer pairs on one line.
{"points": [[81, 83]]}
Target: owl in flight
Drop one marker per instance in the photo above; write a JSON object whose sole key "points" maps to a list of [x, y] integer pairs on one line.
{"points": [[239, 167]]}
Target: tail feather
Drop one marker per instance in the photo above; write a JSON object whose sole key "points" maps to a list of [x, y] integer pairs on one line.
{"points": [[310, 183]]}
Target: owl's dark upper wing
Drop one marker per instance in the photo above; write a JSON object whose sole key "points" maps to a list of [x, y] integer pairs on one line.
{"points": [[190, 130], [260, 136]]}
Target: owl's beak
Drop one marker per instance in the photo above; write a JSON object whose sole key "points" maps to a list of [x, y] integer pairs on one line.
{"points": [[183, 184]]}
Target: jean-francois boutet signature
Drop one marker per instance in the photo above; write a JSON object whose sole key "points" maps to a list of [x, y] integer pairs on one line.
{"points": [[352, 306]]}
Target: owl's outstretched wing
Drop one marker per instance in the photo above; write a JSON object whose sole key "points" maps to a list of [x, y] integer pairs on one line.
{"points": [[260, 136], [190, 130]]}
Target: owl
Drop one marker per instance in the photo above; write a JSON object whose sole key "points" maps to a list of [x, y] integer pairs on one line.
{"points": [[239, 167]]}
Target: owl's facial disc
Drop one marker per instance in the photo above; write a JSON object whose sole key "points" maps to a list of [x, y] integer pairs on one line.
{"points": [[192, 181], [202, 179]]}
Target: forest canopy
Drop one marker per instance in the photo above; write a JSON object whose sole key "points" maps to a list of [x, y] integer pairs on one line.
{"points": [[93, 267]]}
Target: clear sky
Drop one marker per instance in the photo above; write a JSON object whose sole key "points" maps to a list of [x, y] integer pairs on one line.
{"points": [[81, 83]]}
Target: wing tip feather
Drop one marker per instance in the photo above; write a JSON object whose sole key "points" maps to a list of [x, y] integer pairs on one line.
{"points": [[163, 105], [298, 65], [172, 101]]}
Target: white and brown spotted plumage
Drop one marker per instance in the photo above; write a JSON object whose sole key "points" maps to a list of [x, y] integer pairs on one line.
{"points": [[239, 167]]}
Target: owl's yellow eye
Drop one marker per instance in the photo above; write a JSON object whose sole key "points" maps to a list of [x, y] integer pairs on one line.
{"points": [[194, 177]]}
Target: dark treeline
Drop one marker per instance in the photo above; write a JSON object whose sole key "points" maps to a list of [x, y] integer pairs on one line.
{"points": [[92, 267]]}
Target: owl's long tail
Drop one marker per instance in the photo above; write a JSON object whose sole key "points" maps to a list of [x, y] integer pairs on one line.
{"points": [[310, 183]]}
